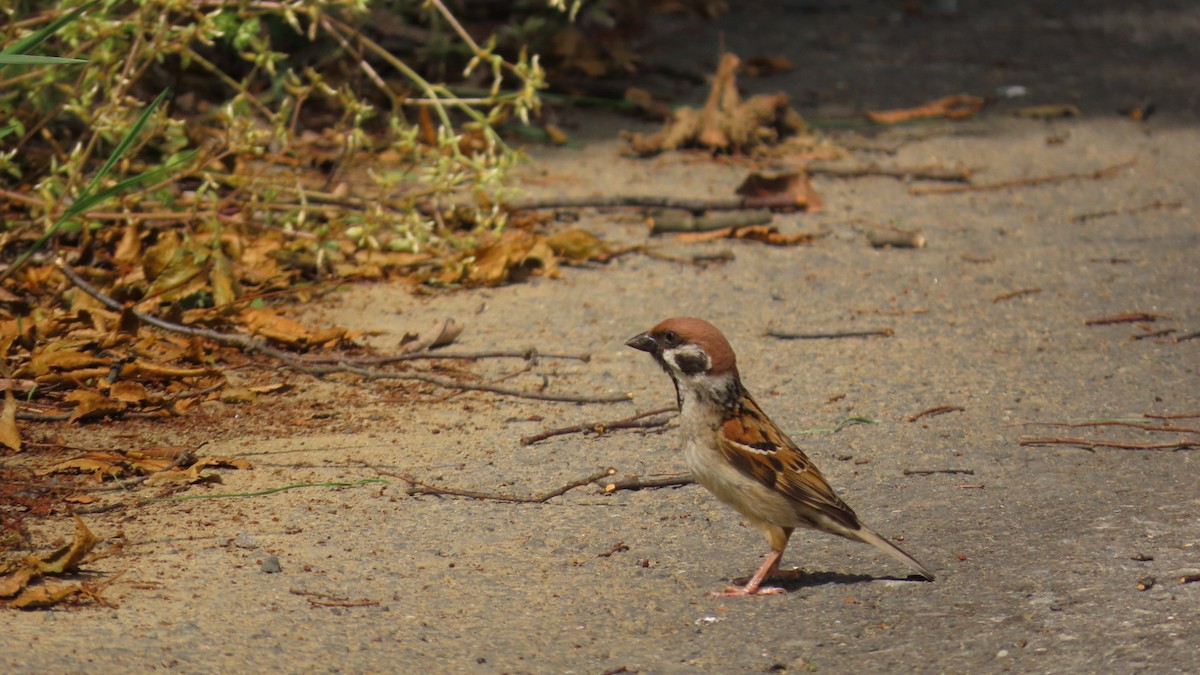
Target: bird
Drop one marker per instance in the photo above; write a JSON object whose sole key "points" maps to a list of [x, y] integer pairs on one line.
{"points": [[735, 451]]}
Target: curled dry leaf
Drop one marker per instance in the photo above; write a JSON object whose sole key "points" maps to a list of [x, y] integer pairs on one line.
{"points": [[442, 333], [578, 246], [10, 435], [89, 403], [726, 123], [515, 256], [780, 191], [768, 234], [66, 559], [957, 107], [277, 328]]}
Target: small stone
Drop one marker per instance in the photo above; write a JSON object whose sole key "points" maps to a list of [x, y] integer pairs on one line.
{"points": [[270, 565], [245, 540]]}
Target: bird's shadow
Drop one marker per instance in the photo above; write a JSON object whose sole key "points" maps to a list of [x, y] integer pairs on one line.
{"points": [[792, 580]]}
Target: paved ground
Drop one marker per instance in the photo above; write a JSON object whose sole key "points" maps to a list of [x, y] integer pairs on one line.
{"points": [[1039, 550]]}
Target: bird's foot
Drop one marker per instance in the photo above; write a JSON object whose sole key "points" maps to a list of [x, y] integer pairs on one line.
{"points": [[743, 591]]}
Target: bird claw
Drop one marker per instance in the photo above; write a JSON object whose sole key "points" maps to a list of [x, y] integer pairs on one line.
{"points": [[742, 591]]}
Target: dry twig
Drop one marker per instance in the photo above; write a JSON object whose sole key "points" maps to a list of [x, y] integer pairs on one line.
{"points": [[936, 410], [1093, 443], [639, 483], [1023, 182], [930, 472], [422, 488], [637, 421]]}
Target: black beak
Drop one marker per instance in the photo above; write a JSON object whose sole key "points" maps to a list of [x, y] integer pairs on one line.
{"points": [[645, 342]]}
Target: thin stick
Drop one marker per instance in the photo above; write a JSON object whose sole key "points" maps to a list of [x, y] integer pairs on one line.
{"points": [[880, 332], [931, 172], [531, 354], [645, 202], [1092, 444], [1116, 423], [1016, 294], [635, 422], [936, 410], [422, 488], [930, 472], [1131, 209], [1127, 317], [1184, 416], [1023, 182], [639, 483]]}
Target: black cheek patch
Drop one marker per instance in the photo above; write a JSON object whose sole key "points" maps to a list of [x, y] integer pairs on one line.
{"points": [[692, 362]]}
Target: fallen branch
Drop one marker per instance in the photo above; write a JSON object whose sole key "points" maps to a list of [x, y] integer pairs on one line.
{"points": [[782, 335], [639, 483], [327, 600], [1023, 182], [929, 172], [1127, 317], [1116, 423], [937, 410], [930, 472], [637, 421], [251, 344], [699, 205], [422, 488], [1092, 444], [1016, 294], [1128, 210]]}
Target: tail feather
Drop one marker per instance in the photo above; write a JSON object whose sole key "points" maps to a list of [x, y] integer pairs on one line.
{"points": [[867, 536]]}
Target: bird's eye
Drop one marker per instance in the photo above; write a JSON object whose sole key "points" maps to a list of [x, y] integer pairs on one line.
{"points": [[671, 338]]}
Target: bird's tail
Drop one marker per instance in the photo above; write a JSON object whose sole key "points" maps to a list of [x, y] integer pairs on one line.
{"points": [[867, 536]]}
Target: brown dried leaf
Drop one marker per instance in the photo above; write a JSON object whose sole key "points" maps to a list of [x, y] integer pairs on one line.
{"points": [[66, 559], [41, 597], [516, 256], [90, 403], [223, 463], [792, 188], [128, 392], [957, 107], [59, 361], [10, 434], [768, 234], [578, 245], [273, 326], [762, 66]]}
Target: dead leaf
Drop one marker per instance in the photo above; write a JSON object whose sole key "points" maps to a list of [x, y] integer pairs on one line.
{"points": [[66, 559], [58, 361], [441, 334], [725, 123], [792, 188], [957, 107], [578, 245], [41, 597], [762, 66], [89, 403], [516, 256], [768, 234], [223, 463], [10, 434], [128, 392], [273, 326]]}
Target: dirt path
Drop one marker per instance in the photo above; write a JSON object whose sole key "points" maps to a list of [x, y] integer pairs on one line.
{"points": [[1039, 550]]}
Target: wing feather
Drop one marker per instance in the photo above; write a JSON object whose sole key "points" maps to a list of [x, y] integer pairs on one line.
{"points": [[756, 447]]}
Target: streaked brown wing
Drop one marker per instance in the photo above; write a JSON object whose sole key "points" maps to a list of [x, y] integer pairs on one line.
{"points": [[756, 447]]}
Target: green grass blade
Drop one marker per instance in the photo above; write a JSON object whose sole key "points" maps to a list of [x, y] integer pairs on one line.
{"points": [[27, 60], [30, 41], [125, 143]]}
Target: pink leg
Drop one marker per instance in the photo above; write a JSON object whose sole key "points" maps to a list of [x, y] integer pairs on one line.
{"points": [[769, 568]]}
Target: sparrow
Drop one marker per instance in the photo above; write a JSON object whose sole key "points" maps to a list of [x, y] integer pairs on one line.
{"points": [[735, 451]]}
